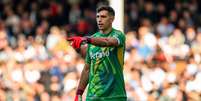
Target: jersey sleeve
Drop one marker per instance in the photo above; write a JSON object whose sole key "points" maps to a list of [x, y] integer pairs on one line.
{"points": [[120, 38]]}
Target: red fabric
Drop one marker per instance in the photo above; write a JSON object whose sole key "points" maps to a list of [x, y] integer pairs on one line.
{"points": [[76, 41], [78, 98], [82, 26], [53, 9]]}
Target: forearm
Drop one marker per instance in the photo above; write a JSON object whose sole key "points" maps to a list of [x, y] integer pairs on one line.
{"points": [[82, 51], [103, 42], [84, 78], [100, 41]]}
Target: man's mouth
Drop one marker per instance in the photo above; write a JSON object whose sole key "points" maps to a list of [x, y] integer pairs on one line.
{"points": [[100, 24]]}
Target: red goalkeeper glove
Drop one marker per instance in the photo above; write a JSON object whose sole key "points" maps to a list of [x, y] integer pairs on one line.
{"points": [[78, 96], [77, 41]]}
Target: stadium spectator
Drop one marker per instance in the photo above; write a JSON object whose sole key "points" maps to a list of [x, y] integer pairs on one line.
{"points": [[162, 59]]}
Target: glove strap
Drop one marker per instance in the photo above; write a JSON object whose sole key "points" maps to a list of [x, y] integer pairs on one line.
{"points": [[88, 39]]}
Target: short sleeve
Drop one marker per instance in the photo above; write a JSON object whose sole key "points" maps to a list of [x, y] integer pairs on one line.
{"points": [[120, 38]]}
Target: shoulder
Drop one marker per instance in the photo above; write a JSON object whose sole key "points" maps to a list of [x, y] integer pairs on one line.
{"points": [[118, 32], [96, 34]]}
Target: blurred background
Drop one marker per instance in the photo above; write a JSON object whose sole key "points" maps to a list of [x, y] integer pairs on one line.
{"points": [[162, 59]]}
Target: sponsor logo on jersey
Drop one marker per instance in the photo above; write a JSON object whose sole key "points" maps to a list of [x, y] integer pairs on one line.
{"points": [[99, 55]]}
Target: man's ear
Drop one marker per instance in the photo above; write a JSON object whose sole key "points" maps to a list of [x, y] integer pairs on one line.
{"points": [[112, 18]]}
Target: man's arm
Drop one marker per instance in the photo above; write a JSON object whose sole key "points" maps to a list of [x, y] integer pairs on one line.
{"points": [[98, 41], [83, 80], [82, 50], [103, 42]]}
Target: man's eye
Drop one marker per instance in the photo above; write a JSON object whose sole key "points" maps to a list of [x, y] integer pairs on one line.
{"points": [[103, 16]]}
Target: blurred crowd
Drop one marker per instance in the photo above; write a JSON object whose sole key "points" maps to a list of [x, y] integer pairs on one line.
{"points": [[162, 59]]}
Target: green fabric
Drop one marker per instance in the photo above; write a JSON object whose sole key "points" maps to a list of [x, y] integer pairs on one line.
{"points": [[107, 99], [106, 69]]}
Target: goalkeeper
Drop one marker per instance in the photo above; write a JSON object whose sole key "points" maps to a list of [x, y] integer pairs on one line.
{"points": [[103, 70]]}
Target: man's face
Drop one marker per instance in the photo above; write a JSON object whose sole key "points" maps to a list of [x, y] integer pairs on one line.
{"points": [[104, 20]]}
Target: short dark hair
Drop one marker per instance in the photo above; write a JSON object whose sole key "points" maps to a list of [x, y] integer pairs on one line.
{"points": [[107, 8]]}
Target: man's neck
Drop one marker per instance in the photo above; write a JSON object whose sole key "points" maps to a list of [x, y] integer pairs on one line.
{"points": [[106, 31]]}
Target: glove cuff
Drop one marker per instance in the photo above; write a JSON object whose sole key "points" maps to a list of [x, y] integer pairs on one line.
{"points": [[88, 39]]}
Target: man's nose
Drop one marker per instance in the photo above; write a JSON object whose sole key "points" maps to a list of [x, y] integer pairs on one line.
{"points": [[99, 21]]}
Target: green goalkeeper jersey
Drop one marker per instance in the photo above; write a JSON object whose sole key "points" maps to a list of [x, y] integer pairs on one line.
{"points": [[106, 81]]}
